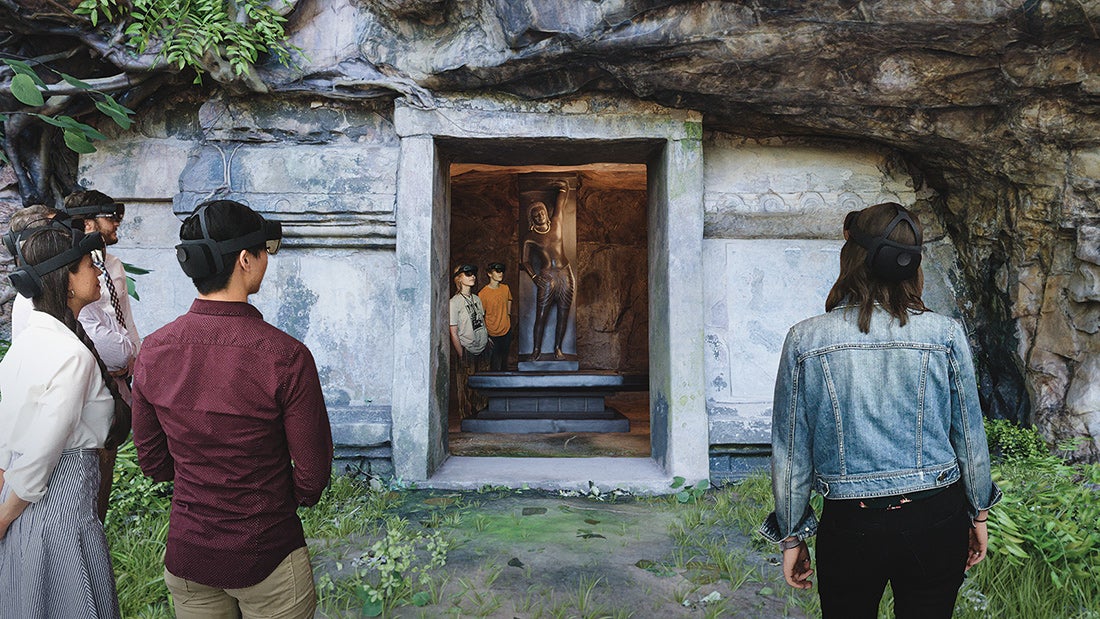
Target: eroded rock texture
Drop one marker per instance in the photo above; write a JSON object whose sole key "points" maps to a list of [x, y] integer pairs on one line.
{"points": [[991, 106]]}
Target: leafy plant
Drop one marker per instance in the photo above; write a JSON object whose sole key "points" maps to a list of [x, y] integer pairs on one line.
{"points": [[186, 31], [395, 569], [137, 531], [27, 87], [131, 287], [135, 497], [692, 492], [1013, 442], [1049, 514]]}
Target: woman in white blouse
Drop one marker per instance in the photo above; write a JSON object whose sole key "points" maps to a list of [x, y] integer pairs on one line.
{"points": [[58, 407]]}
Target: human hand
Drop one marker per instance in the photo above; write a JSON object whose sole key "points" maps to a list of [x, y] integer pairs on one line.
{"points": [[979, 543], [796, 566]]}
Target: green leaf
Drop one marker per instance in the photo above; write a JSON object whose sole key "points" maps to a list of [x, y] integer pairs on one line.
{"points": [[372, 608], [131, 288], [75, 82], [683, 496], [77, 142], [677, 481], [136, 270], [24, 89], [421, 598], [702, 485], [120, 119], [116, 106], [22, 68], [71, 124]]}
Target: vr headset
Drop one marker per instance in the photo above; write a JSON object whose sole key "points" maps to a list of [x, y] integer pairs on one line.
{"points": [[204, 257], [888, 260], [114, 209], [27, 279]]}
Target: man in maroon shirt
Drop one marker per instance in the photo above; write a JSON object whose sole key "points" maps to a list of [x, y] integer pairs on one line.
{"points": [[230, 408]]}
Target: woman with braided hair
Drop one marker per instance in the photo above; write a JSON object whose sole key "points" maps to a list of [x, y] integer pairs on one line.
{"points": [[58, 406]]}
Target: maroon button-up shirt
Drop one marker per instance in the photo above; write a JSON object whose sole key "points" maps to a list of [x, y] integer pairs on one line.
{"points": [[231, 408]]}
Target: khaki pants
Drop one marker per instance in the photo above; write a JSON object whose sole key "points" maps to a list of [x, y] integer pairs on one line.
{"points": [[470, 402], [287, 593]]}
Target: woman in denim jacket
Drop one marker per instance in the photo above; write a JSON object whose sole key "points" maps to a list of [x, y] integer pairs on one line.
{"points": [[876, 408]]}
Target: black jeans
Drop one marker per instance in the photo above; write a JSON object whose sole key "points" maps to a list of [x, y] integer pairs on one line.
{"points": [[498, 357], [920, 548]]}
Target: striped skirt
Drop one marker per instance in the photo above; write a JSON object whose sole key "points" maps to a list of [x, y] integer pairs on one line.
{"points": [[54, 561]]}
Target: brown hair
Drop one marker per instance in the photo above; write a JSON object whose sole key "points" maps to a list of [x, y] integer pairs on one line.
{"points": [[857, 285], [53, 300], [32, 215]]}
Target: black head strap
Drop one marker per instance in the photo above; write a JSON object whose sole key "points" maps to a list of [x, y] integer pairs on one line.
{"points": [[27, 279], [889, 260], [91, 210], [204, 257]]}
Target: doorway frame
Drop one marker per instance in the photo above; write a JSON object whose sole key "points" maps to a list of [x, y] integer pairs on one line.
{"points": [[467, 130]]}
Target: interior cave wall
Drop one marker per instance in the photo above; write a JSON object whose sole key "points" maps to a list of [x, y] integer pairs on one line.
{"points": [[610, 268]]}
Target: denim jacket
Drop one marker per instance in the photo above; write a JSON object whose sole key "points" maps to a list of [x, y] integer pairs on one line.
{"points": [[859, 415]]}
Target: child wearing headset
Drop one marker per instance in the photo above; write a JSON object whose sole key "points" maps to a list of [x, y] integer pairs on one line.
{"points": [[876, 409], [59, 408]]}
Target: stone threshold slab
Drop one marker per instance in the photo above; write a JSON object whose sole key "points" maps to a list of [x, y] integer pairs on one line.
{"points": [[545, 422], [635, 475]]}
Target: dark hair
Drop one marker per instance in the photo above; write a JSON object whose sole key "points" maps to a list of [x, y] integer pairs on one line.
{"points": [[53, 299], [857, 285], [225, 220]]}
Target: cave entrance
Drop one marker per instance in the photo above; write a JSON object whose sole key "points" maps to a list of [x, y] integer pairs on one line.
{"points": [[445, 148], [594, 402]]}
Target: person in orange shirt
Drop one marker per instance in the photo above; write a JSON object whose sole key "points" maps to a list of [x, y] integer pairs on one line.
{"points": [[497, 299]]}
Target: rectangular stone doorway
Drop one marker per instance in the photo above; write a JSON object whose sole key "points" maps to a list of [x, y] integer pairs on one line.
{"points": [[608, 256], [448, 155]]}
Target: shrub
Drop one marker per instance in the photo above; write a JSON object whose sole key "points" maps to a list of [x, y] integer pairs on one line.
{"points": [[1050, 514], [1010, 442]]}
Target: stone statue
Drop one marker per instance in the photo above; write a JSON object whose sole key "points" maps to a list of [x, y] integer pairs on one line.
{"points": [[544, 259]]}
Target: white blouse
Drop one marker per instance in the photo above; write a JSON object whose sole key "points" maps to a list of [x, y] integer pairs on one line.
{"points": [[52, 398]]}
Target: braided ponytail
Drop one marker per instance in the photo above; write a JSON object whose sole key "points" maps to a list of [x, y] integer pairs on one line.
{"points": [[120, 425], [53, 300]]}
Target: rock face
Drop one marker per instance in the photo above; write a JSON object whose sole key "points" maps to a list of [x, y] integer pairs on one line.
{"points": [[991, 107], [988, 111]]}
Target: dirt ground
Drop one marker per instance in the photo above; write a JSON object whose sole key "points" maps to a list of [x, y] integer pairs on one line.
{"points": [[528, 554]]}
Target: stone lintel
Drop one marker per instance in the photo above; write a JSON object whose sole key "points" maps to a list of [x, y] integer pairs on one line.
{"points": [[511, 119]]}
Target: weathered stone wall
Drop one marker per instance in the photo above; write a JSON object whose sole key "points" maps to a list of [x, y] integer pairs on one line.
{"points": [[990, 109], [328, 173], [774, 210]]}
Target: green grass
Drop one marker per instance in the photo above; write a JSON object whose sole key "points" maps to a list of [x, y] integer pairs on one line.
{"points": [[1043, 494], [1044, 565]]}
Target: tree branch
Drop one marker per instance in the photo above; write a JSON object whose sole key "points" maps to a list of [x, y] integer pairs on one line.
{"points": [[115, 83]]}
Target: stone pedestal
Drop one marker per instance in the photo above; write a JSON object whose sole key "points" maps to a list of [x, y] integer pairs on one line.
{"points": [[528, 403]]}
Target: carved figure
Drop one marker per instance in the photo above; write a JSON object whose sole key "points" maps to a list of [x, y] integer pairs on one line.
{"points": [[543, 259]]}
